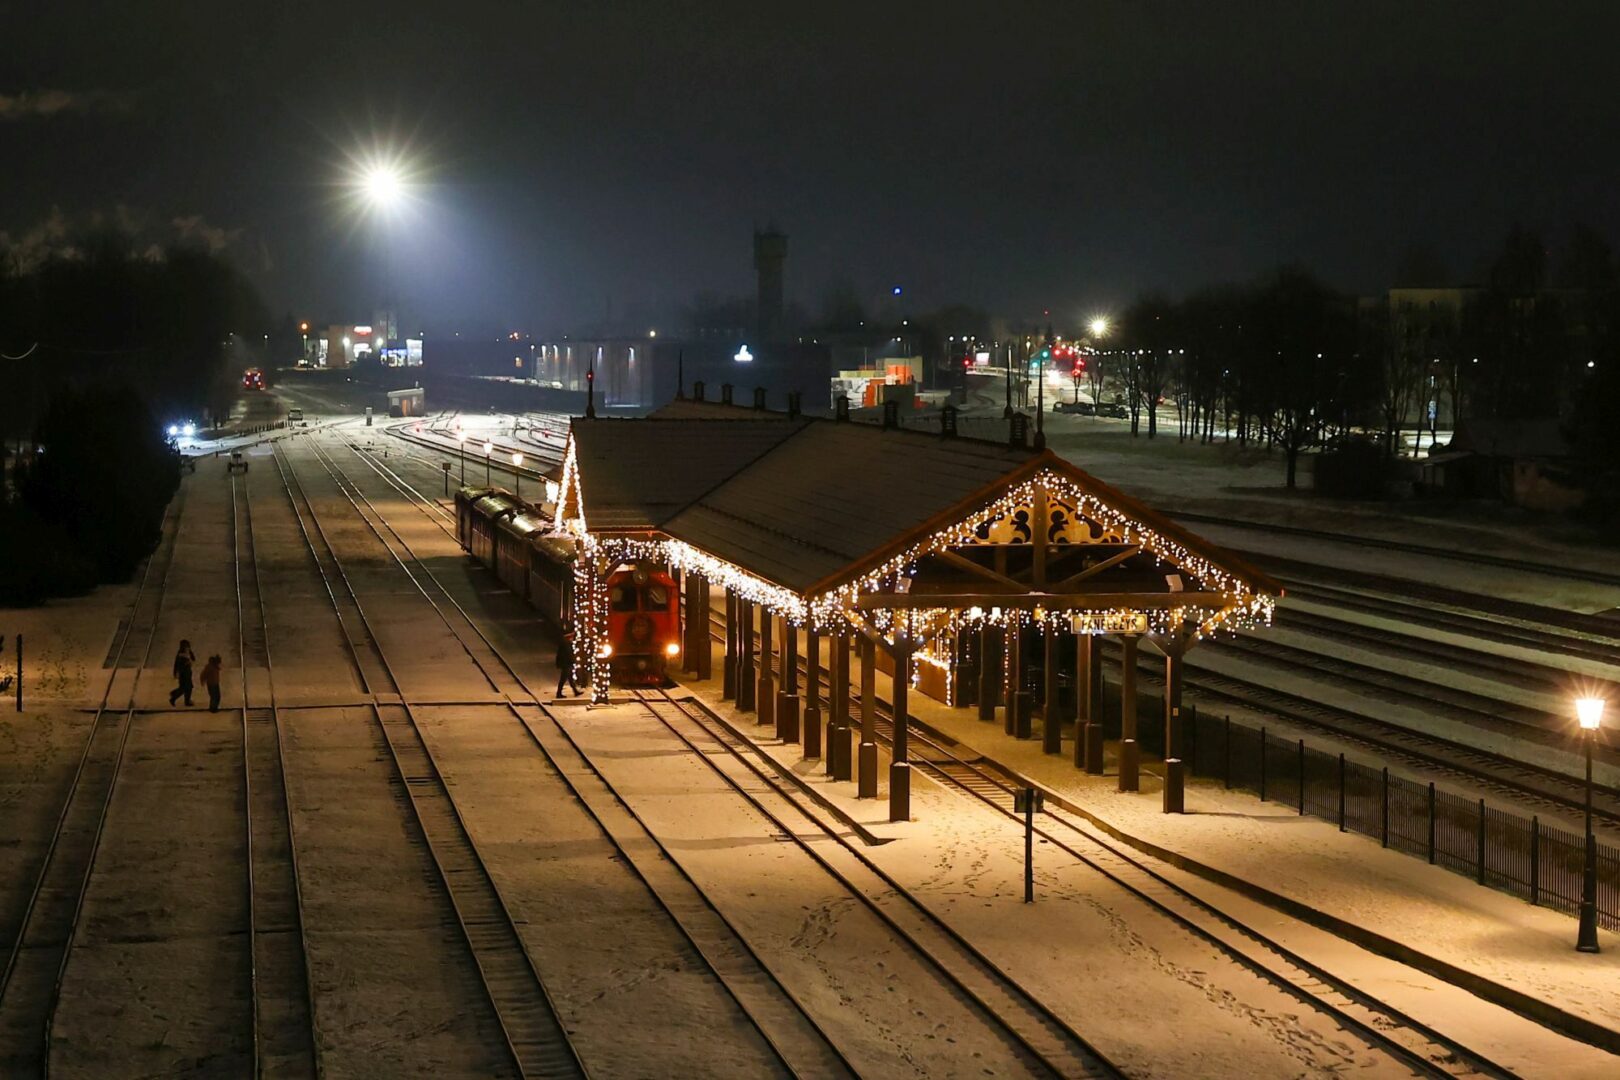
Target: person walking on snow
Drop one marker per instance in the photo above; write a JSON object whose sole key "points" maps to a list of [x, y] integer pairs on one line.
{"points": [[565, 665], [184, 658], [210, 681]]}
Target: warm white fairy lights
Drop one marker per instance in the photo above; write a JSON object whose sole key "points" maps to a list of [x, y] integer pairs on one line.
{"points": [[934, 631]]}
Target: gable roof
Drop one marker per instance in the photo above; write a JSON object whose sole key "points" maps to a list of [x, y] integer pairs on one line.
{"points": [[810, 504]]}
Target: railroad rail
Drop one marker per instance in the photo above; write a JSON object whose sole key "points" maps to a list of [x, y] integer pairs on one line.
{"points": [[787, 1027], [1417, 1045], [1045, 1038], [285, 1037], [537, 1043], [36, 960]]}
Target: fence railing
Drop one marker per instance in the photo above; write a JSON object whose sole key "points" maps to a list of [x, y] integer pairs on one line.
{"points": [[1505, 851]]}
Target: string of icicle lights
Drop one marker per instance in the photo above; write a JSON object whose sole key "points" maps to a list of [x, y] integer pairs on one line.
{"points": [[828, 612]]}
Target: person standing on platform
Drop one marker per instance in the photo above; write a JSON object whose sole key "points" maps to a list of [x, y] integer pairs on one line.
{"points": [[565, 665], [210, 681], [184, 658]]}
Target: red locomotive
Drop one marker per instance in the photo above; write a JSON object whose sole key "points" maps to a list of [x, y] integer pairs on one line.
{"points": [[644, 624], [514, 540]]}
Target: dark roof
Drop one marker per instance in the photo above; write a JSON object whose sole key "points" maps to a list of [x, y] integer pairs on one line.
{"points": [[811, 503], [834, 493], [636, 473], [688, 409]]}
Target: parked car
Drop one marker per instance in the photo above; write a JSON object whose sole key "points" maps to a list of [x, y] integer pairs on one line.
{"points": [[1080, 408], [1113, 409], [295, 416]]}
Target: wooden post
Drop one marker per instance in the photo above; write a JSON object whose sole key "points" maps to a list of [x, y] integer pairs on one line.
{"points": [[811, 729], [704, 663], [1082, 696], [745, 655], [1051, 712], [867, 786], [767, 680], [1129, 752], [899, 766], [1015, 679], [728, 671], [1175, 770], [989, 669], [838, 754], [787, 699]]}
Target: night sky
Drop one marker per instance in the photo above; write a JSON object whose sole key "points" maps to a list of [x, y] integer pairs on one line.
{"points": [[1016, 156]]}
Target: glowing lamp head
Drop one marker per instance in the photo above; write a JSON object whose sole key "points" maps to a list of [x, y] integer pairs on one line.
{"points": [[1098, 327], [517, 459], [174, 429], [1589, 711], [489, 448], [382, 185]]}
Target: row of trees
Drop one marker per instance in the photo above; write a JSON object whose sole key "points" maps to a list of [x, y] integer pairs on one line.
{"points": [[1290, 363], [103, 340]]}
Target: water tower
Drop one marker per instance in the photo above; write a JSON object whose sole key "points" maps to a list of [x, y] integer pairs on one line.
{"points": [[770, 256]]}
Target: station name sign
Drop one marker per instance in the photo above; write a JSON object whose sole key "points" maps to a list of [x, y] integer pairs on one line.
{"points": [[1108, 622]]}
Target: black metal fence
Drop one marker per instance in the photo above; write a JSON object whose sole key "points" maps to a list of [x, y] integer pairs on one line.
{"points": [[1505, 851]]}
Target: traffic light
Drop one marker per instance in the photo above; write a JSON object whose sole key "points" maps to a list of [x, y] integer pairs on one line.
{"points": [[967, 363]]}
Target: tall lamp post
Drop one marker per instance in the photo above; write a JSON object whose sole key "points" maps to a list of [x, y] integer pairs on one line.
{"points": [[489, 448], [1589, 711], [517, 476], [461, 452]]}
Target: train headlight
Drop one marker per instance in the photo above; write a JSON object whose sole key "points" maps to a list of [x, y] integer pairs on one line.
{"points": [[606, 650], [672, 649]]}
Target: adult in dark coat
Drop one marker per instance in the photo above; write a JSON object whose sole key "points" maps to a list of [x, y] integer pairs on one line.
{"points": [[565, 665], [184, 658]]}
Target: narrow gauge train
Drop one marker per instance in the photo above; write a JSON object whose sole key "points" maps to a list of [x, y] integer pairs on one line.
{"points": [[512, 538]]}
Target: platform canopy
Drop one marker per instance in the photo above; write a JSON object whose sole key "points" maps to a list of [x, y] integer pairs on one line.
{"points": [[848, 526]]}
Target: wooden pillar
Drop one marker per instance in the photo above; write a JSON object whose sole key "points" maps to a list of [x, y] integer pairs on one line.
{"points": [[1129, 753], [837, 756], [1094, 761], [745, 655], [811, 727], [1051, 710], [787, 698], [1175, 770], [867, 785], [989, 672], [728, 664], [1012, 661], [1082, 699], [704, 662], [688, 620], [767, 679], [899, 765]]}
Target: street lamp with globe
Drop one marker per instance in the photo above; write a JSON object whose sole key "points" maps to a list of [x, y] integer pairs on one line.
{"points": [[517, 474]]}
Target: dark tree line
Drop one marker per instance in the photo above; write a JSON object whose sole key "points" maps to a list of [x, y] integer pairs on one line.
{"points": [[102, 343], [1288, 363]]}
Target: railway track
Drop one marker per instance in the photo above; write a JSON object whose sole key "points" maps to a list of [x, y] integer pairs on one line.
{"points": [[798, 1041], [36, 957], [1047, 1041], [1476, 558], [1418, 1046], [536, 1042], [285, 1040]]}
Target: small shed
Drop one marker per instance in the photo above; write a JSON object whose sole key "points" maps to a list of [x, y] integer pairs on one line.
{"points": [[410, 402]]}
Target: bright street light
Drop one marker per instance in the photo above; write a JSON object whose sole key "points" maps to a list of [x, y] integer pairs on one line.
{"points": [[1589, 712], [517, 477], [382, 185], [1098, 326]]}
